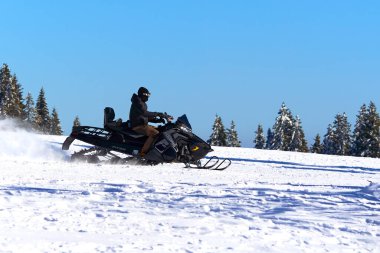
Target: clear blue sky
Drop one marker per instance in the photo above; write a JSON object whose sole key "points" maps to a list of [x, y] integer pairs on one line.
{"points": [[237, 59]]}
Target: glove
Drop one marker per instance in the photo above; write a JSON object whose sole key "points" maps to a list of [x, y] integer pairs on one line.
{"points": [[158, 120], [160, 114]]}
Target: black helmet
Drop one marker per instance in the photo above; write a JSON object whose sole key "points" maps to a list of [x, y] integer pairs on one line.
{"points": [[143, 92]]}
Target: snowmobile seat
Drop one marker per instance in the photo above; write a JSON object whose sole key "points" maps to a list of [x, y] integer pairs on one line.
{"points": [[126, 129], [119, 126]]}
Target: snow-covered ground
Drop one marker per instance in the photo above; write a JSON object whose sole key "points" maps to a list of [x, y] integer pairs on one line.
{"points": [[267, 201]]}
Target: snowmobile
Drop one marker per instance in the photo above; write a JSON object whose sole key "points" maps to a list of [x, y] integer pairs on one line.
{"points": [[175, 143]]}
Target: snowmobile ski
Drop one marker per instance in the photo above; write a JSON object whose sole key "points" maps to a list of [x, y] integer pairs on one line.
{"points": [[213, 163]]}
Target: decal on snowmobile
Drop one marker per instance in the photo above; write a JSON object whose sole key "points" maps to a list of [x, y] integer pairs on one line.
{"points": [[195, 148]]}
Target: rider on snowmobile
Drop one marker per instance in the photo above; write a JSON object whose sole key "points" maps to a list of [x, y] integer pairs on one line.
{"points": [[139, 116]]}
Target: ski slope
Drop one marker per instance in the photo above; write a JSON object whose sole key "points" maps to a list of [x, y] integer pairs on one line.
{"points": [[267, 201]]}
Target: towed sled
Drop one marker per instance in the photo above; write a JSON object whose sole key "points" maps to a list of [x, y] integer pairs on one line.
{"points": [[175, 143]]}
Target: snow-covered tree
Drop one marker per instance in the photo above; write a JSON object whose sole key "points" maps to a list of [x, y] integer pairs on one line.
{"points": [[269, 139], [283, 129], [76, 122], [298, 142], [366, 135], [328, 141], [343, 129], [361, 133], [317, 146], [11, 100], [43, 117], [30, 111], [55, 128], [259, 141], [5, 85], [338, 140], [20, 102], [15, 107], [374, 131], [218, 136], [12, 103], [232, 136]]}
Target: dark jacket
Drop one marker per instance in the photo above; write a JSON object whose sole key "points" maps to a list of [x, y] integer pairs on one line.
{"points": [[139, 114]]}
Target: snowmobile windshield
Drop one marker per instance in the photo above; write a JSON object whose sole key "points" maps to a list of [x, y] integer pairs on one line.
{"points": [[184, 121]]}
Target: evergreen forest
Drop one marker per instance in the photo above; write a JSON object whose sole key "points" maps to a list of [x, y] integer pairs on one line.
{"points": [[287, 134], [22, 109]]}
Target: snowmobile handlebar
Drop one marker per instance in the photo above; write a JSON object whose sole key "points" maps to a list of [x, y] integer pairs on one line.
{"points": [[165, 116]]}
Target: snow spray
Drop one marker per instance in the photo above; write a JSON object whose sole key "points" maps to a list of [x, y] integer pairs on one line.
{"points": [[16, 142]]}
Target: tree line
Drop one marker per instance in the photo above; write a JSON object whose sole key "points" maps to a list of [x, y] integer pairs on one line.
{"points": [[29, 115], [223, 137], [287, 134]]}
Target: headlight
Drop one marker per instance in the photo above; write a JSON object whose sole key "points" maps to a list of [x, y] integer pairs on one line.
{"points": [[185, 129]]}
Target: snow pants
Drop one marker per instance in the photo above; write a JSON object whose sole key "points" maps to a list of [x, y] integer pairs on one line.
{"points": [[149, 131]]}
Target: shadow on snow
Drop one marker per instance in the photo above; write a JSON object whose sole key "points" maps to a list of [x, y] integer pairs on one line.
{"points": [[293, 165]]}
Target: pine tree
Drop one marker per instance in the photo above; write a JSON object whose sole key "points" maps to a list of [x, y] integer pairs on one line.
{"points": [[361, 133], [338, 140], [30, 111], [5, 78], [317, 146], [283, 129], [76, 122], [342, 132], [232, 136], [259, 141], [20, 106], [9, 100], [328, 141], [373, 122], [43, 117], [366, 135], [55, 128], [15, 106], [218, 136], [298, 142], [269, 139]]}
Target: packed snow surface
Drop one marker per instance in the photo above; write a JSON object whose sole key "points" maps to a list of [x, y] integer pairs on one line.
{"points": [[266, 201]]}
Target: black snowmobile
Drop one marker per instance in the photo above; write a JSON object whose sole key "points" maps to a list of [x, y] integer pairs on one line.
{"points": [[175, 143]]}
